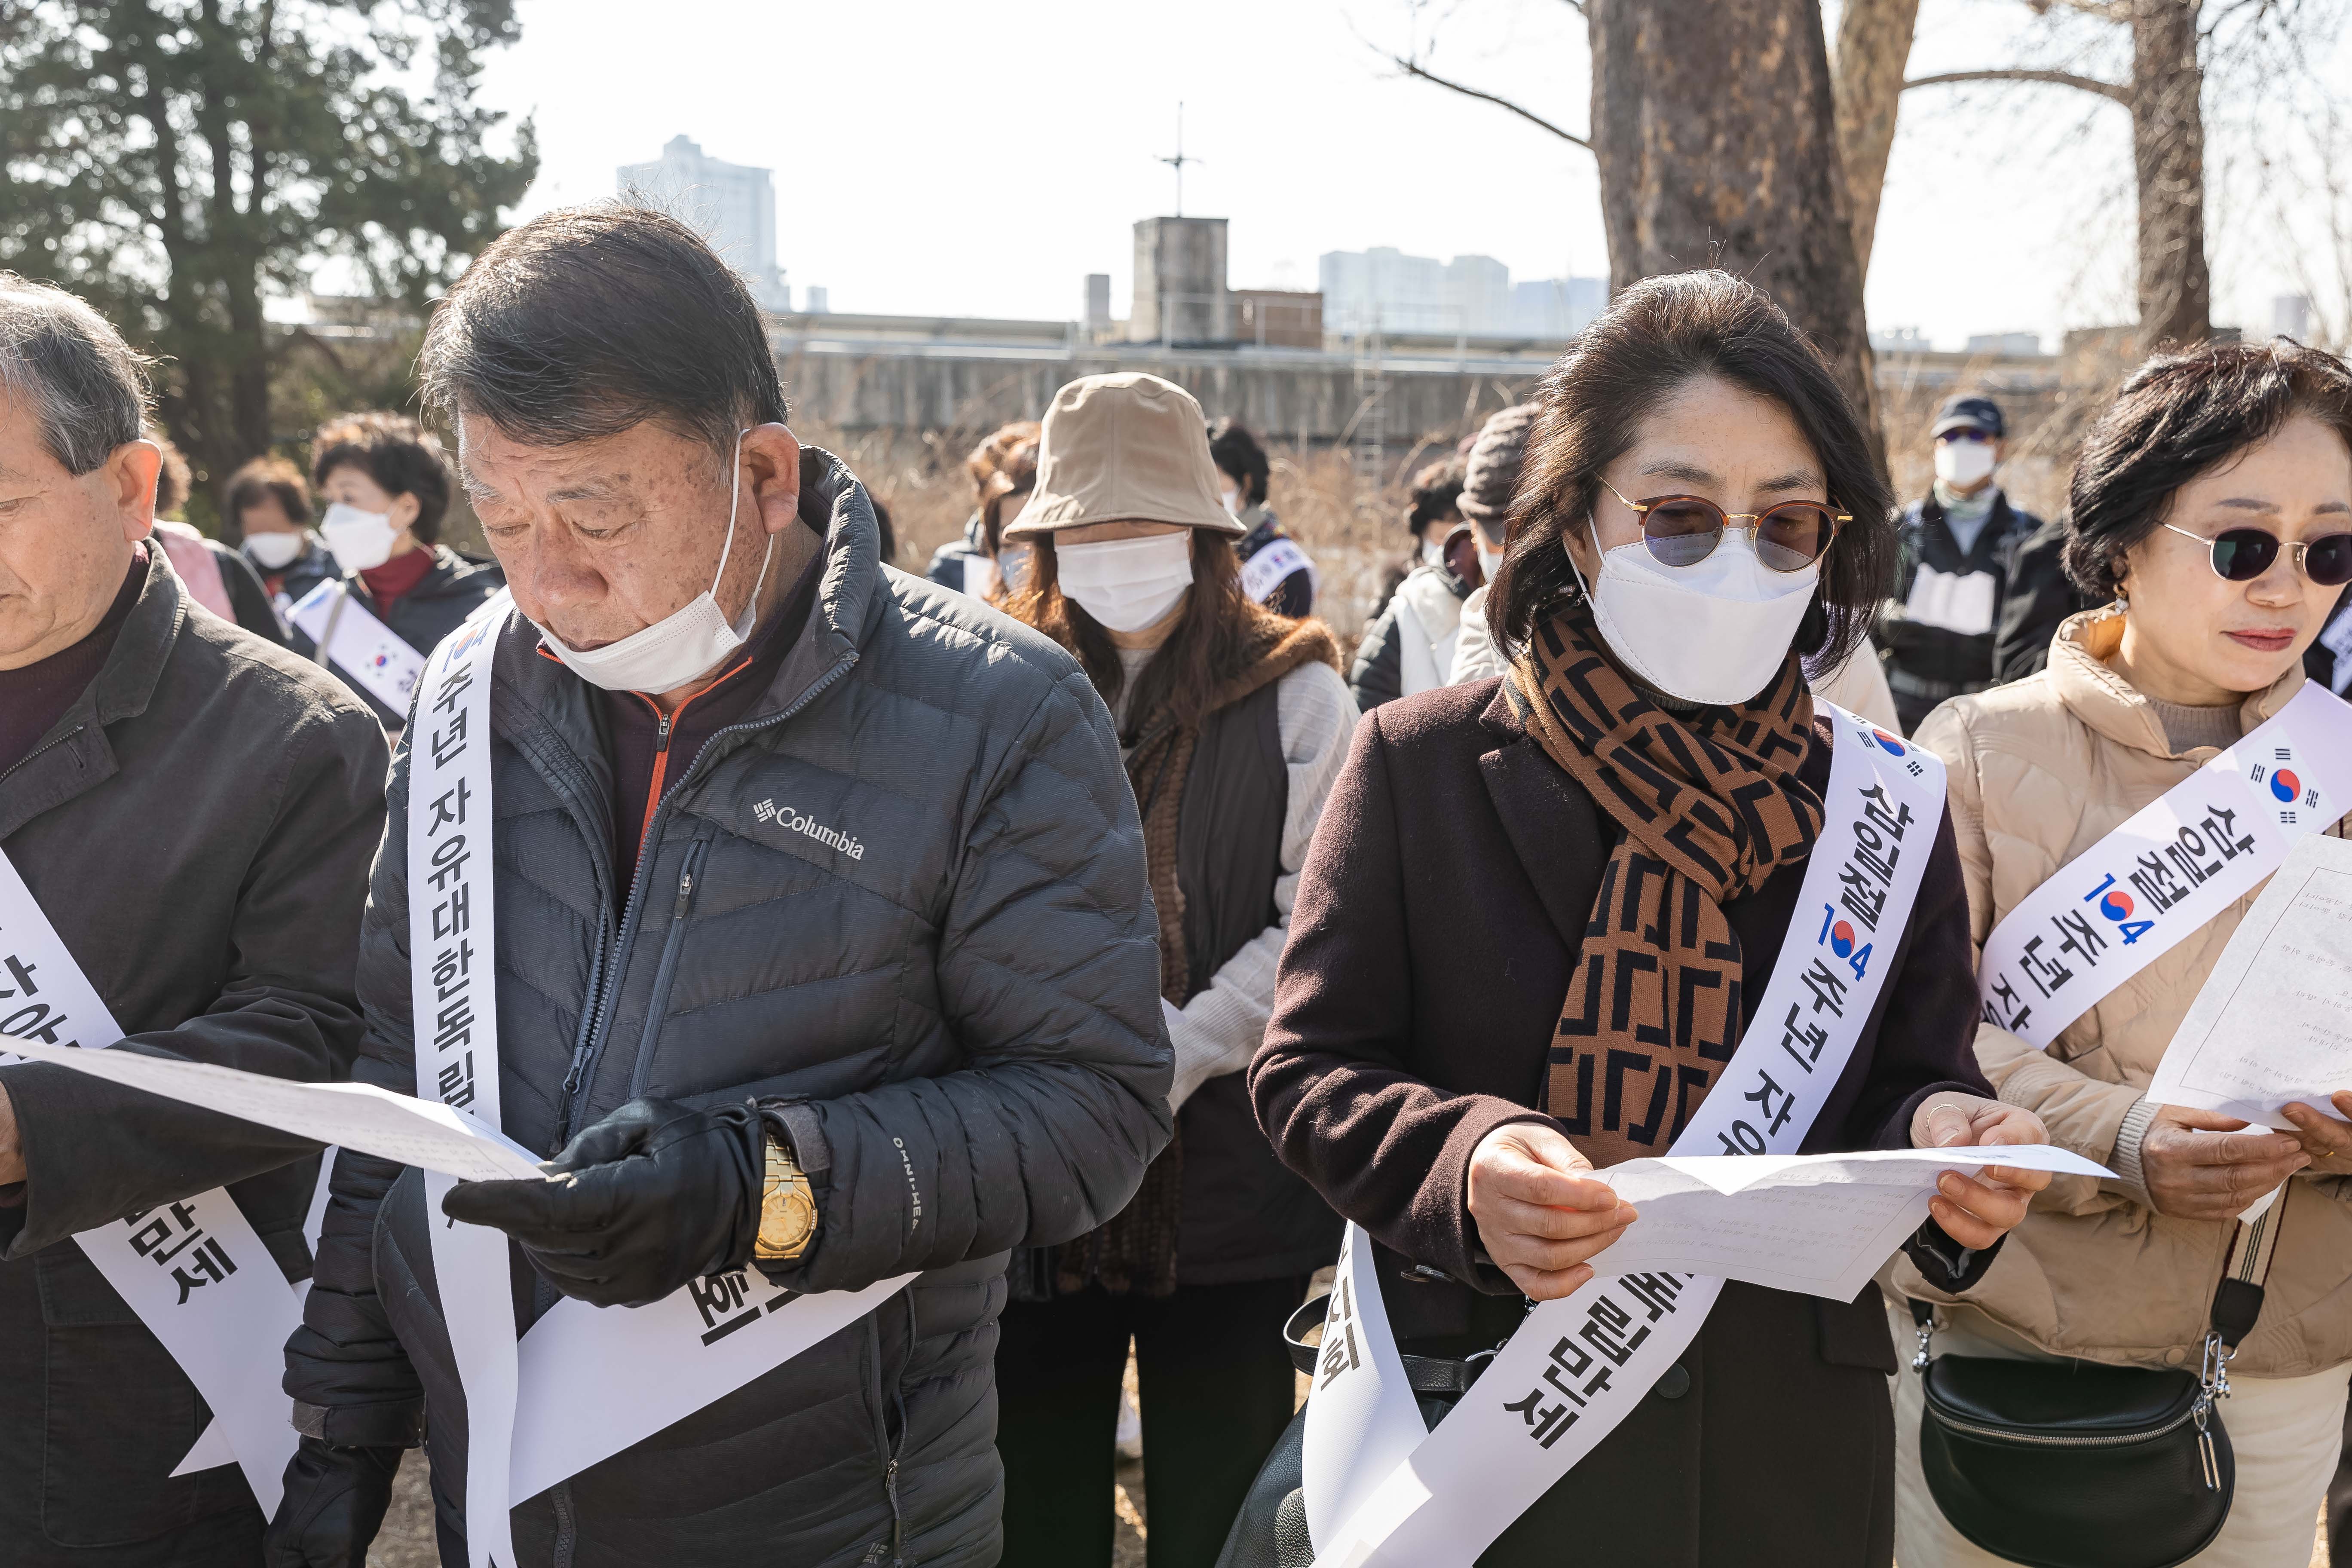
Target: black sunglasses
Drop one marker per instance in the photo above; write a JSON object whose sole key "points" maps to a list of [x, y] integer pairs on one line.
{"points": [[2242, 555]]}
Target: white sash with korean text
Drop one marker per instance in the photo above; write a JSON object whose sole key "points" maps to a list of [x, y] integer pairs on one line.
{"points": [[585, 1382], [2169, 868], [1263, 572], [194, 1271], [1381, 1489], [361, 647]]}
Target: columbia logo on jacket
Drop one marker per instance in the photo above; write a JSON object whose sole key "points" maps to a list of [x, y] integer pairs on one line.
{"points": [[769, 811]]}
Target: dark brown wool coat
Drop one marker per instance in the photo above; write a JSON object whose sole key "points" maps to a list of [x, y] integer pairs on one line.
{"points": [[1437, 922]]}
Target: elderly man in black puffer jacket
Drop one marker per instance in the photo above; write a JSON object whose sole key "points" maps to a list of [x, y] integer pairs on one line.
{"points": [[876, 871]]}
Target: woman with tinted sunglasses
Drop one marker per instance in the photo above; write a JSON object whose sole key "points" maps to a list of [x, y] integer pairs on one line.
{"points": [[2212, 505], [1541, 914]]}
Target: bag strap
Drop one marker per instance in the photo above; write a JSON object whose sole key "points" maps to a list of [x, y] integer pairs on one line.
{"points": [[2237, 1300]]}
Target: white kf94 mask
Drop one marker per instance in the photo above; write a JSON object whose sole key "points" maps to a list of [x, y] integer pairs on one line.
{"points": [[1126, 584], [359, 540], [683, 643], [1963, 462], [273, 550], [1713, 632]]}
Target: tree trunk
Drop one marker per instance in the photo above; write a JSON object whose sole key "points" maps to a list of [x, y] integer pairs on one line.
{"points": [[1716, 136], [1874, 45], [2176, 303]]}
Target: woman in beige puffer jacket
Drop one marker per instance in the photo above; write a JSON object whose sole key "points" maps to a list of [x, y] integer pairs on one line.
{"points": [[2123, 1271]]}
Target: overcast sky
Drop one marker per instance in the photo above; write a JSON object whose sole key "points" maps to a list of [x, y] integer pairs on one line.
{"points": [[942, 156]]}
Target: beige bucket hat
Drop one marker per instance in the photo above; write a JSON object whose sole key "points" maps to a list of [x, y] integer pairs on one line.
{"points": [[1125, 448]]}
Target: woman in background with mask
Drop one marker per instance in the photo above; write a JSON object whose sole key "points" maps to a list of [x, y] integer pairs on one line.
{"points": [[1275, 571], [1232, 721], [1542, 913], [386, 487], [976, 562]]}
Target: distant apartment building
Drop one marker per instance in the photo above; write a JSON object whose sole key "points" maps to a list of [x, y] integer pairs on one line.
{"points": [[1557, 307], [732, 205], [2005, 346], [1470, 296], [1899, 341]]}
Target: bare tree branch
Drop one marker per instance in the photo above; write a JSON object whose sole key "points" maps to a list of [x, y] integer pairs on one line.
{"points": [[1575, 5], [2104, 10], [2056, 79], [1415, 68]]}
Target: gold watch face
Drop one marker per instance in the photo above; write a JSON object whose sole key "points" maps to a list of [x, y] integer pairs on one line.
{"points": [[787, 1220]]}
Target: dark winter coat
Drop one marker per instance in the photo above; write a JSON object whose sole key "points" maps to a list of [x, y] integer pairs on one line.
{"points": [[300, 575], [1437, 927], [453, 590], [971, 1006], [1925, 664], [197, 826]]}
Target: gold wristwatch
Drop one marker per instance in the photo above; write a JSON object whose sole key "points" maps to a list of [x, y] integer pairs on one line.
{"points": [[787, 1208]]}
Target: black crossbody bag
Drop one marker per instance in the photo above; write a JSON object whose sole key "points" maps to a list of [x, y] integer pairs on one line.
{"points": [[2081, 1465]]}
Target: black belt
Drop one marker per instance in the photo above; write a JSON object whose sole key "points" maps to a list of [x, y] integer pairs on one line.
{"points": [[1422, 1373]]}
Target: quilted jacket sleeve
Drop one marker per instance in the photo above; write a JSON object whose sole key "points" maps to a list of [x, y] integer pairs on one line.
{"points": [[1049, 972]]}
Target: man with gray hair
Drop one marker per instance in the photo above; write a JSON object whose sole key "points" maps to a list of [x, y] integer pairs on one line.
{"points": [[186, 816], [809, 903]]}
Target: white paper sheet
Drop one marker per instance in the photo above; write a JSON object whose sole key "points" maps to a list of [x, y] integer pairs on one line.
{"points": [[2273, 1022], [1819, 1224], [355, 1115]]}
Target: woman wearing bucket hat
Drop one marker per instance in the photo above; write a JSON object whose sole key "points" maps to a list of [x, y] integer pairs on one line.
{"points": [[1233, 722]]}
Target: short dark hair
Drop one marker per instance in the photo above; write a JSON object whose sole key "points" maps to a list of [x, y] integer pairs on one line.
{"points": [[73, 373], [1436, 490], [587, 320], [400, 456], [1236, 452], [2181, 416], [1655, 337], [268, 478]]}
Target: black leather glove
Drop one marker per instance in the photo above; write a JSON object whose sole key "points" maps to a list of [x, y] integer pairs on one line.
{"points": [[334, 1504], [650, 1197]]}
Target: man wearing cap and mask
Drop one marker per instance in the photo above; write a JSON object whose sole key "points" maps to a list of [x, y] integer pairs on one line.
{"points": [[815, 934], [1957, 547]]}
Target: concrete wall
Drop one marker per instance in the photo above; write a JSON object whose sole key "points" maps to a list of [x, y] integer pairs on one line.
{"points": [[1297, 397]]}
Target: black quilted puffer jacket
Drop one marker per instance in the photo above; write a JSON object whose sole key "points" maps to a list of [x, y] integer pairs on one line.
{"points": [[969, 999]]}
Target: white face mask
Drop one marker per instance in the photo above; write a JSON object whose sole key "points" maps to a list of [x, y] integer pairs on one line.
{"points": [[1490, 563], [682, 644], [1232, 496], [360, 540], [272, 551], [1963, 462], [1713, 633], [1126, 584], [1432, 555]]}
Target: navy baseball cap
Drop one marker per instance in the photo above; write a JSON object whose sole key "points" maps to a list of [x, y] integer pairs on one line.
{"points": [[1971, 414]]}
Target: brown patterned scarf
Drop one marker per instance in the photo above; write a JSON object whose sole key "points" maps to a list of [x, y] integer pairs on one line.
{"points": [[1711, 807]]}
